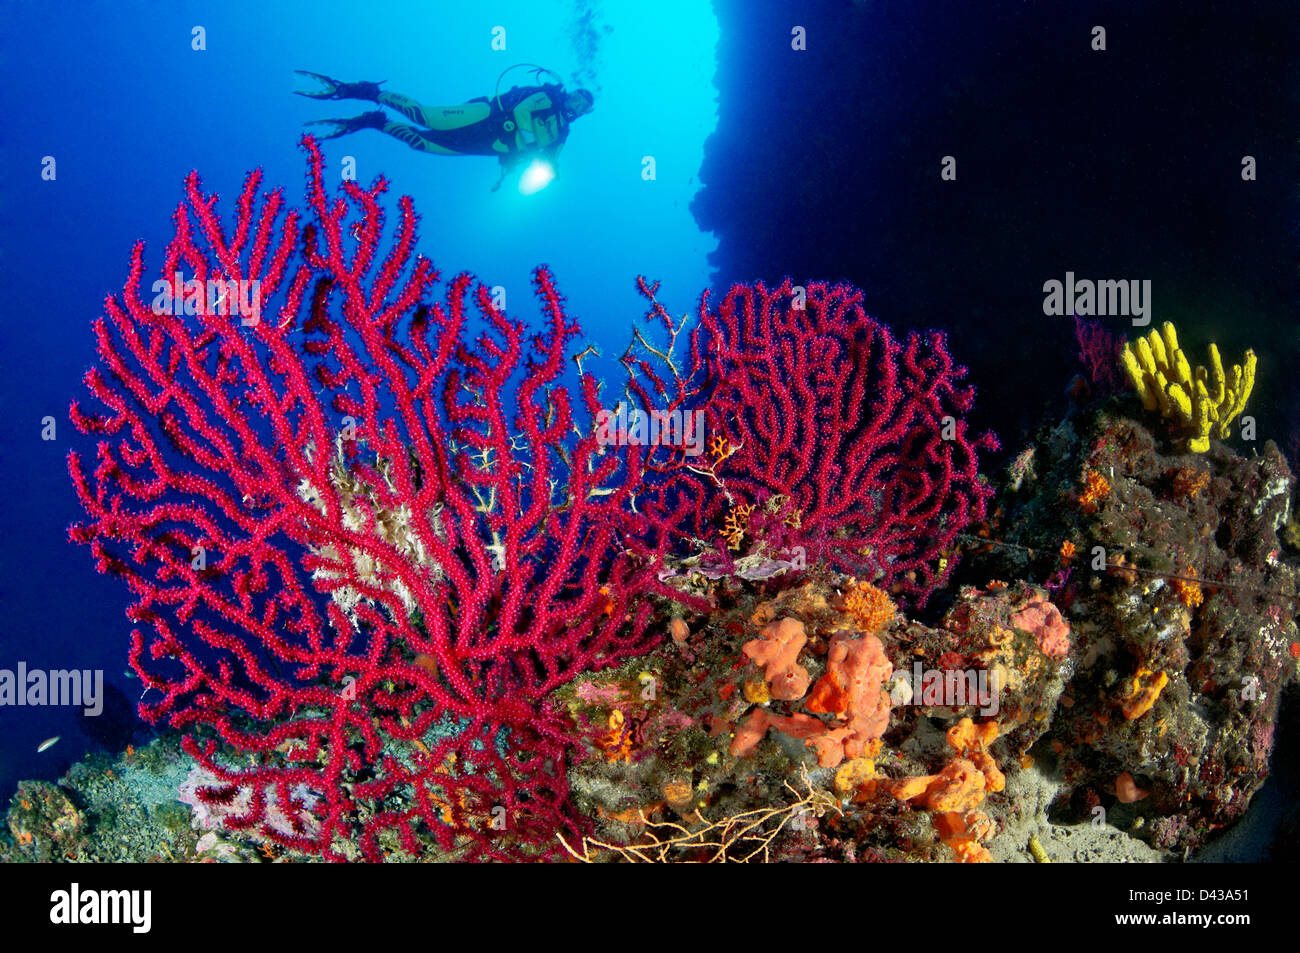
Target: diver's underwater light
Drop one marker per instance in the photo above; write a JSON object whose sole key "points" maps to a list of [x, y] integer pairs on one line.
{"points": [[536, 177]]}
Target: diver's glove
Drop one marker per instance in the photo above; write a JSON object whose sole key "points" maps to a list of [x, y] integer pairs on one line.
{"points": [[334, 89], [374, 119]]}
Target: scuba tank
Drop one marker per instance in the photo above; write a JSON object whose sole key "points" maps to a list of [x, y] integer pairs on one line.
{"points": [[504, 116], [537, 72]]}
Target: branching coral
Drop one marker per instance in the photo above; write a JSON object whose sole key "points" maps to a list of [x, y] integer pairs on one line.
{"points": [[363, 546], [738, 838], [833, 438]]}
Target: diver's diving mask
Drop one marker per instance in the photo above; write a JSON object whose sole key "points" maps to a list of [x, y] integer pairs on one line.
{"points": [[577, 103]]}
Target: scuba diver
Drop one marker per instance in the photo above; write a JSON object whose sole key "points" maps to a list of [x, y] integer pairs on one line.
{"points": [[523, 123]]}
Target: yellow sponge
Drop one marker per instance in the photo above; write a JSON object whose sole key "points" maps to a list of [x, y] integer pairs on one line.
{"points": [[1204, 401]]}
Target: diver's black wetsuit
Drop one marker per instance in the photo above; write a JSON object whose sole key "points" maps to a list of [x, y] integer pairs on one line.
{"points": [[523, 122], [527, 120]]}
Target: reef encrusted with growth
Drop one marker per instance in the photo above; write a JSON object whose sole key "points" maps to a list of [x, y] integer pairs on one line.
{"points": [[1183, 598], [398, 595], [1123, 707]]}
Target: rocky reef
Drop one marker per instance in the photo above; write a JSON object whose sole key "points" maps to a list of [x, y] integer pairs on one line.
{"points": [[1117, 699], [1182, 605]]}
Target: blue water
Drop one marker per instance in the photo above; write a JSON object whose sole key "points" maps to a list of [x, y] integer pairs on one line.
{"points": [[124, 105]]}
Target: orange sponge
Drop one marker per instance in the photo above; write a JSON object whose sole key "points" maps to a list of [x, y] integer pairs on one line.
{"points": [[778, 652]]}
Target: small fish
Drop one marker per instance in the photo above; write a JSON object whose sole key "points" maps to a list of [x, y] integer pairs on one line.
{"points": [[47, 744]]}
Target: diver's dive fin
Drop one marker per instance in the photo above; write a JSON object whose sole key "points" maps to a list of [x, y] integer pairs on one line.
{"points": [[337, 89], [374, 119]]}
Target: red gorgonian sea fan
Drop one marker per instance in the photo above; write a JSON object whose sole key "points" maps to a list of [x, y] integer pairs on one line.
{"points": [[362, 549], [826, 434], [1099, 354]]}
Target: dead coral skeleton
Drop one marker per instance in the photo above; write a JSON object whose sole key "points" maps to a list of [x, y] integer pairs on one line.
{"points": [[737, 838]]}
